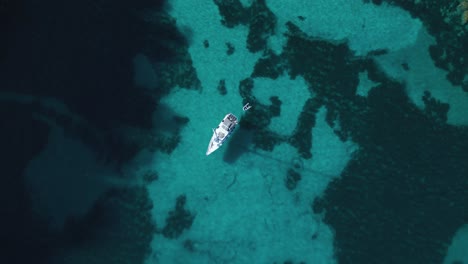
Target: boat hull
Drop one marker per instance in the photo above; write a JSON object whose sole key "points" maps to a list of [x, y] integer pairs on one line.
{"points": [[213, 146], [222, 133]]}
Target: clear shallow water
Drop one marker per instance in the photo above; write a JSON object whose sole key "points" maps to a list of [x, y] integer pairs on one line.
{"points": [[353, 151]]}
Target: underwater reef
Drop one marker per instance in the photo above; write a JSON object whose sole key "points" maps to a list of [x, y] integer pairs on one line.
{"points": [[404, 194], [444, 21]]}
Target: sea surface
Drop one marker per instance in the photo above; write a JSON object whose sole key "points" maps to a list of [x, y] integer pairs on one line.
{"points": [[355, 149]]}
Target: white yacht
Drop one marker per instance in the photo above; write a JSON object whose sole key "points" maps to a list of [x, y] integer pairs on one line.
{"points": [[222, 132]]}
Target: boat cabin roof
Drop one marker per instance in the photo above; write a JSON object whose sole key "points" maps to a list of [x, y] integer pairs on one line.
{"points": [[229, 122]]}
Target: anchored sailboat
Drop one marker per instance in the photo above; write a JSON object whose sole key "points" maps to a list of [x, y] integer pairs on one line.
{"points": [[222, 132]]}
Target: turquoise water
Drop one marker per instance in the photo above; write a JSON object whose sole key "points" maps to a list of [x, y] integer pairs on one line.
{"points": [[354, 150]]}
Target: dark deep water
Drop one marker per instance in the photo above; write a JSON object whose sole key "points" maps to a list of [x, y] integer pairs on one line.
{"points": [[79, 53], [400, 200]]}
